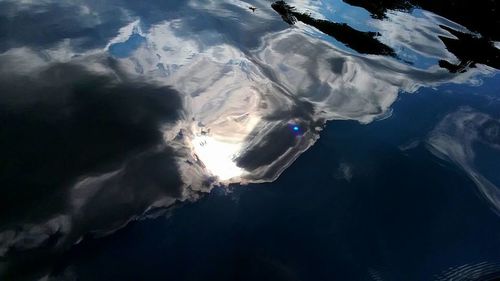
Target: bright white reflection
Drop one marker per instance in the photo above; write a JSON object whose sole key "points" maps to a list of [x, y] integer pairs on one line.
{"points": [[218, 156], [218, 144]]}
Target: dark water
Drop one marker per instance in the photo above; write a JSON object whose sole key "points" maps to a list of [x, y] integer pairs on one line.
{"points": [[367, 134], [366, 210]]}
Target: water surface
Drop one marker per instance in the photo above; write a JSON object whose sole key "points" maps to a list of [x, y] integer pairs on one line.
{"points": [[232, 140]]}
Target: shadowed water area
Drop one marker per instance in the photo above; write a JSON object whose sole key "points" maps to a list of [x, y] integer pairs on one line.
{"points": [[249, 140]]}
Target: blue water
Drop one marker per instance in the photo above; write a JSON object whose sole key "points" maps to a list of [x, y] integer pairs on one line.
{"points": [[364, 210], [125, 49], [99, 179]]}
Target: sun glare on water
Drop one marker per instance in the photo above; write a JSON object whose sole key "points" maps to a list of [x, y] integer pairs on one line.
{"points": [[218, 156]]}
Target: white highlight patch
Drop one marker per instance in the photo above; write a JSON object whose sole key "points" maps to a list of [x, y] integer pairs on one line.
{"points": [[218, 156], [222, 142]]}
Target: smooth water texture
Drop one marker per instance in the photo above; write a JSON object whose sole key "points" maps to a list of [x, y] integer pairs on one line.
{"points": [[259, 140]]}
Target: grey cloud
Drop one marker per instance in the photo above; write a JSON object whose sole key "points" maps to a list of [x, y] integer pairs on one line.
{"points": [[92, 24], [128, 192], [45, 24], [344, 171], [290, 77], [456, 139], [99, 145], [263, 151], [65, 124]]}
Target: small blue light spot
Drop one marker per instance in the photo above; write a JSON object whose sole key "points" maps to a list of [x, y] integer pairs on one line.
{"points": [[295, 128]]}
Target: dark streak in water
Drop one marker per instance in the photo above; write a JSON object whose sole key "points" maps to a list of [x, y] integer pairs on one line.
{"points": [[362, 42], [469, 49], [112, 111], [482, 16]]}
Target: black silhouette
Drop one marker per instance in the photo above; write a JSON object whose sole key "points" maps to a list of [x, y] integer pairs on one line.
{"points": [[378, 8], [469, 49], [481, 16], [362, 42]]}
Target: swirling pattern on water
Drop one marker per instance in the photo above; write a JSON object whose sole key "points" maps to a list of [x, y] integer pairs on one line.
{"points": [[113, 109]]}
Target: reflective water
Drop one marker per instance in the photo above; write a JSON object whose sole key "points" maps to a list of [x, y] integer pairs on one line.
{"points": [[382, 116]]}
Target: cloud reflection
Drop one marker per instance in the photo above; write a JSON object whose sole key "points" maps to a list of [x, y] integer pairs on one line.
{"points": [[100, 127], [459, 137]]}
